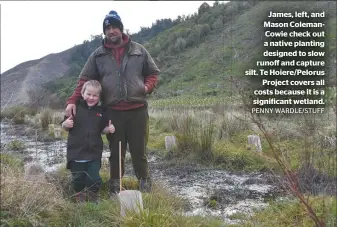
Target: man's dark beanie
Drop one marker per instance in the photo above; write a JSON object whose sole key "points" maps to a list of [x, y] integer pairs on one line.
{"points": [[112, 19]]}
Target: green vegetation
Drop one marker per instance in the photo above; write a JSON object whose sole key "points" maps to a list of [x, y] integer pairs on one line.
{"points": [[290, 213], [200, 56], [63, 87], [146, 34], [191, 102], [11, 161], [215, 137], [218, 140], [17, 113], [16, 145], [26, 203]]}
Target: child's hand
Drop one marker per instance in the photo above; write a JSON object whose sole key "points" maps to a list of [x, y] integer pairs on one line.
{"points": [[111, 127], [69, 123]]}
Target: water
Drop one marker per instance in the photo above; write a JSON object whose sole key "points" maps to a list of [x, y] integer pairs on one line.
{"points": [[233, 192]]}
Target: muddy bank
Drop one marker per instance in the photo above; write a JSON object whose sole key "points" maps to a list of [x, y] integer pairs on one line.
{"points": [[216, 192]]}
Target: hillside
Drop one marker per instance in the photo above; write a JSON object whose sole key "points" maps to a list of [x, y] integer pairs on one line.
{"points": [[226, 50], [22, 84], [197, 54]]}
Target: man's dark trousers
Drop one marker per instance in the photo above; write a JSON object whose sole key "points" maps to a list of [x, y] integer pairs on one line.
{"points": [[132, 128], [86, 175]]}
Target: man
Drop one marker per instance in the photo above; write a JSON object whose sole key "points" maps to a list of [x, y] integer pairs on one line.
{"points": [[127, 74]]}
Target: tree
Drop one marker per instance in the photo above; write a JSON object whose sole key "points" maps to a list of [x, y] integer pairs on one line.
{"points": [[205, 18], [218, 24], [127, 31], [179, 45], [203, 8], [204, 30], [194, 37]]}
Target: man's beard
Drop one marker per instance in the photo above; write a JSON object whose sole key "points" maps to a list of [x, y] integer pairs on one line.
{"points": [[114, 40]]}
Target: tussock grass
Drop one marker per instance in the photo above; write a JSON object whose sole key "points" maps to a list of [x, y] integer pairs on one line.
{"points": [[48, 203], [217, 136], [17, 114], [290, 213], [15, 145], [235, 157], [27, 203], [209, 135], [47, 116], [23, 202]]}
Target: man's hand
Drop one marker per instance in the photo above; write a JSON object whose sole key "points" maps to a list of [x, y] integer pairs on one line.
{"points": [[71, 110], [146, 89], [111, 127], [69, 123]]}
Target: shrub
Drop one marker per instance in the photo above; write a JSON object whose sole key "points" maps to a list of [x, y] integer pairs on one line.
{"points": [[17, 113], [16, 145], [46, 118]]}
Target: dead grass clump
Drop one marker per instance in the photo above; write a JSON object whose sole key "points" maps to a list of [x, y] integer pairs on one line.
{"points": [[46, 118], [26, 200], [23, 198], [17, 114]]}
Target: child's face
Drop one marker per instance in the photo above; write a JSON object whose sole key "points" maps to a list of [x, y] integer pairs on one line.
{"points": [[91, 95]]}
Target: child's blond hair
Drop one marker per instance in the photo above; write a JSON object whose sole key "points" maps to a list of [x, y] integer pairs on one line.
{"points": [[92, 83]]}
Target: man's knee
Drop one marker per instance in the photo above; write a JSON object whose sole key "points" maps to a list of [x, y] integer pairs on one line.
{"points": [[139, 158]]}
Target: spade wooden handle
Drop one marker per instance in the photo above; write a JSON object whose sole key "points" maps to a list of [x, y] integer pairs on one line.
{"points": [[120, 166]]}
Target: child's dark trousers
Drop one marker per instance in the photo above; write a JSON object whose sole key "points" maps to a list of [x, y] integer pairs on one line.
{"points": [[86, 175]]}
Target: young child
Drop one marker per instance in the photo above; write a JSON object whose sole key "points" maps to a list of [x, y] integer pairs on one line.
{"points": [[85, 145]]}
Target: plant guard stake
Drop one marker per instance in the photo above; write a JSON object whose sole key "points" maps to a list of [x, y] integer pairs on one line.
{"points": [[130, 200]]}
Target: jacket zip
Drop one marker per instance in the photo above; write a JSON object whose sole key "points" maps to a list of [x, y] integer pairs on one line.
{"points": [[88, 132], [114, 61], [120, 76]]}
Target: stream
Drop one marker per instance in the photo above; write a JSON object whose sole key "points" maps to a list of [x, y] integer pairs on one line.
{"points": [[232, 192]]}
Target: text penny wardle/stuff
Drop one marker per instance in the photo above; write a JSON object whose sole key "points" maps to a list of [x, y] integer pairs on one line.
{"points": [[288, 110]]}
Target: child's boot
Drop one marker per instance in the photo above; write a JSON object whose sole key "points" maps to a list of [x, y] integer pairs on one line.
{"points": [[80, 197], [93, 196], [145, 185], [113, 187]]}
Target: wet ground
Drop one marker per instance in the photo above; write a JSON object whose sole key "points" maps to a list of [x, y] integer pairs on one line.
{"points": [[217, 192], [208, 192]]}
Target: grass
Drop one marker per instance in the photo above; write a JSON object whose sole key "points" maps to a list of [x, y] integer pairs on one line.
{"points": [[208, 131], [26, 203], [15, 145], [290, 213], [207, 137], [202, 70], [215, 137], [11, 161], [236, 157], [47, 203], [187, 101], [17, 114]]}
